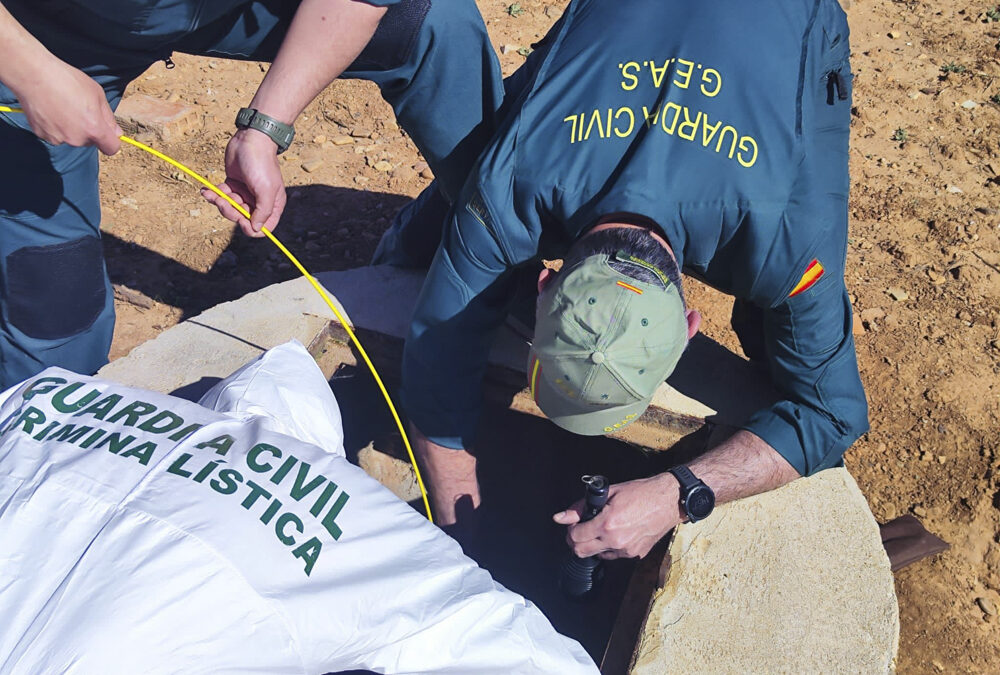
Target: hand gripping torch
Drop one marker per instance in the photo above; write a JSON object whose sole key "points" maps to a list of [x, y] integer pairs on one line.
{"points": [[579, 577]]}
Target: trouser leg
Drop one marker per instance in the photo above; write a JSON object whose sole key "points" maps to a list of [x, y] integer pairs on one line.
{"points": [[433, 62], [415, 232], [56, 305]]}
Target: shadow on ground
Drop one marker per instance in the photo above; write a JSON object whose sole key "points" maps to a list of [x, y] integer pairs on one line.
{"points": [[326, 228]]}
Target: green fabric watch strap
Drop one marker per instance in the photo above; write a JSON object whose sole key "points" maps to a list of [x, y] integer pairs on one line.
{"points": [[279, 132]]}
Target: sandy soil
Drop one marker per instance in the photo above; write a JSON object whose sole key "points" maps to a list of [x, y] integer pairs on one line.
{"points": [[923, 264]]}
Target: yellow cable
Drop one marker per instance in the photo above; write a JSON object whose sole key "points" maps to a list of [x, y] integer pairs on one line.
{"points": [[311, 279]]}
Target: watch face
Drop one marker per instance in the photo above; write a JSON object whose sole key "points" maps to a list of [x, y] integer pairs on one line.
{"points": [[700, 502]]}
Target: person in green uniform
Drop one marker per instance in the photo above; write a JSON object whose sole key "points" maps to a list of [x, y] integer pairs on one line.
{"points": [[640, 139]]}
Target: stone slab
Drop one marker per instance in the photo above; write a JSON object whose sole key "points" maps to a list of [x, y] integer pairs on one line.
{"points": [[709, 383], [791, 581]]}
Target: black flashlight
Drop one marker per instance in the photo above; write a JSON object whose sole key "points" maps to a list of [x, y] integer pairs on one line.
{"points": [[580, 577]]}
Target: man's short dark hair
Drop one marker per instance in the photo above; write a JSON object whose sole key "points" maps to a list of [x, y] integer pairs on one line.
{"points": [[636, 242]]}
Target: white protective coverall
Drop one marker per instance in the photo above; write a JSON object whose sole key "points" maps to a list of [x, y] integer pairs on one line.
{"points": [[141, 533]]}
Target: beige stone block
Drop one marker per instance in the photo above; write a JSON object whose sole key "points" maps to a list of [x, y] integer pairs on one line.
{"points": [[791, 581]]}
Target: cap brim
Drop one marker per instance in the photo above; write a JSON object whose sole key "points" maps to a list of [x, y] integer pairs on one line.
{"points": [[572, 416]]}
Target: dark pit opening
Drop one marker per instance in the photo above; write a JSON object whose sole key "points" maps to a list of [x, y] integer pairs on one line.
{"points": [[528, 469]]}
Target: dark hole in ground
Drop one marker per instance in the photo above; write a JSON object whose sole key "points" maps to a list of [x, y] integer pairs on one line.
{"points": [[529, 469]]}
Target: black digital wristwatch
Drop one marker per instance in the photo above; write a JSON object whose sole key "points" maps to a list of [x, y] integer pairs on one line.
{"points": [[697, 499]]}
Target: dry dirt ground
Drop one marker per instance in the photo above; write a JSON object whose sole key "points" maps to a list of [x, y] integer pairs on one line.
{"points": [[923, 264]]}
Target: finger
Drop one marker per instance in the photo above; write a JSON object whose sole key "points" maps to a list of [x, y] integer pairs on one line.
{"points": [[279, 207], [239, 193], [588, 548], [109, 141], [571, 515], [587, 531], [567, 517], [227, 210], [266, 197]]}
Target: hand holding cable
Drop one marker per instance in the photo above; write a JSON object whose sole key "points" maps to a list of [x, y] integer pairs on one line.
{"points": [[253, 180], [241, 209]]}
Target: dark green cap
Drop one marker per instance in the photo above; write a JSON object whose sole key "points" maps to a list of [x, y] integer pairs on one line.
{"points": [[604, 342]]}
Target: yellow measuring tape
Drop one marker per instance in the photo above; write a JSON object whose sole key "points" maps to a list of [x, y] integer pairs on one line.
{"points": [[311, 279]]}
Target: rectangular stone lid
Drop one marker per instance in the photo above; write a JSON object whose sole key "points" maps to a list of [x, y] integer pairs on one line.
{"points": [[709, 383]]}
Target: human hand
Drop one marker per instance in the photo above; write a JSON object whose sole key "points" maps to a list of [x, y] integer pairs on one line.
{"points": [[638, 514], [451, 480], [63, 105], [253, 180]]}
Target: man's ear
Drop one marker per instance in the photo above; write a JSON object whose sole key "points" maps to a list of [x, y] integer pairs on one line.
{"points": [[545, 277], [693, 317]]}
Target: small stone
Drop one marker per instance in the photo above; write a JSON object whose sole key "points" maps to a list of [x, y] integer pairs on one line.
{"points": [[383, 166], [312, 165], [427, 174], [361, 180], [509, 49], [320, 140], [132, 297], [988, 606], [872, 314], [194, 213], [129, 202], [343, 140], [226, 260], [898, 294], [942, 459], [938, 666], [936, 277], [954, 189], [420, 166], [361, 132], [405, 174], [857, 326], [894, 35], [914, 95], [891, 321], [970, 104], [925, 457], [920, 511]]}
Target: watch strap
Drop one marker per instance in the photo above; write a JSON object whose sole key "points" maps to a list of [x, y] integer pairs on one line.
{"points": [[686, 478], [279, 132]]}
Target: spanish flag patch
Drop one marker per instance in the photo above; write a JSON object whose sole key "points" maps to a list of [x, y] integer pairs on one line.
{"points": [[812, 275], [629, 287]]}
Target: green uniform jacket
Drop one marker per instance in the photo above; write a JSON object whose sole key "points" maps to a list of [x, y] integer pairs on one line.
{"points": [[727, 124]]}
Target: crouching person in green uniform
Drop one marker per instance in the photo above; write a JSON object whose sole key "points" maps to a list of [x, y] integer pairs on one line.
{"points": [[67, 62], [639, 140]]}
